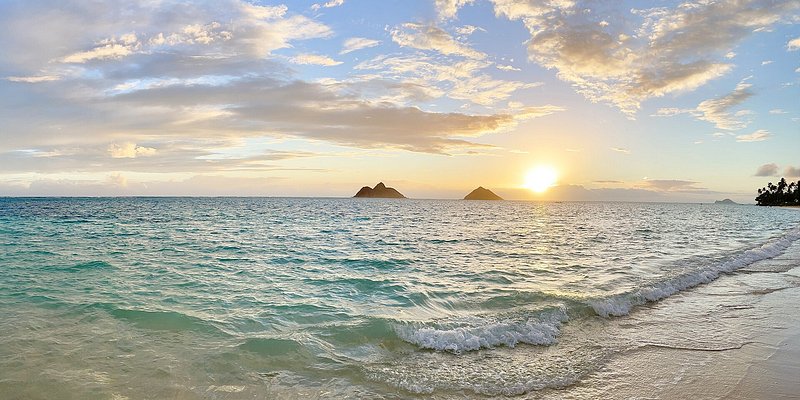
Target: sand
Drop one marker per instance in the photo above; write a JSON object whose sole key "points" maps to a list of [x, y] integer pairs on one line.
{"points": [[735, 338]]}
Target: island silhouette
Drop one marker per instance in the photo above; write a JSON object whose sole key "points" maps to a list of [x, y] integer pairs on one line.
{"points": [[379, 191], [482, 193], [726, 201]]}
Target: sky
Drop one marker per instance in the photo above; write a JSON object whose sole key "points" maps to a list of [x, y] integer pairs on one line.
{"points": [[689, 101]]}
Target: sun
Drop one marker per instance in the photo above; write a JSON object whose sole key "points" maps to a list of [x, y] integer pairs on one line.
{"points": [[540, 178]]}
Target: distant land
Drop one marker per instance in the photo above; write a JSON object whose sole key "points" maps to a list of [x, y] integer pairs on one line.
{"points": [[726, 201], [379, 191], [482, 193]]}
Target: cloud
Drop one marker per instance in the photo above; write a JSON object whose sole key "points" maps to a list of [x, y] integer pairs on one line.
{"points": [[621, 150], [430, 37], [330, 4], [507, 67], [113, 48], [129, 150], [447, 9], [793, 44], [469, 30], [460, 80], [673, 50], [716, 110], [313, 59], [767, 62], [34, 79], [757, 136], [793, 172], [778, 111], [357, 43], [670, 185], [767, 170], [316, 111]]}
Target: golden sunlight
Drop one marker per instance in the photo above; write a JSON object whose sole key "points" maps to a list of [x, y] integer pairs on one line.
{"points": [[540, 178]]}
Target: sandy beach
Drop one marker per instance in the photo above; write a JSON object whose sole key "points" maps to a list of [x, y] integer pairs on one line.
{"points": [[747, 346]]}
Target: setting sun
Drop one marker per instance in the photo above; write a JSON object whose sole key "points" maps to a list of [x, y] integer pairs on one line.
{"points": [[541, 178]]}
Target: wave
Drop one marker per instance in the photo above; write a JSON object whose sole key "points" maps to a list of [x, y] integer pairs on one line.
{"points": [[160, 320], [544, 327], [482, 332], [623, 303]]}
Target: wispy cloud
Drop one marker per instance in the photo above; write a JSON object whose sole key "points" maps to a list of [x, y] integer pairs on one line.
{"points": [[430, 37], [718, 110], [313, 59], [329, 4], [674, 50], [757, 136], [621, 150], [357, 43], [448, 8], [507, 67]]}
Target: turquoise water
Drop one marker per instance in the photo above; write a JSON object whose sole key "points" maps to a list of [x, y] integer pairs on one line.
{"points": [[367, 298]]}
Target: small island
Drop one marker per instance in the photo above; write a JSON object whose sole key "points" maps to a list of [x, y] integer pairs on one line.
{"points": [[482, 193], [726, 201], [379, 191]]}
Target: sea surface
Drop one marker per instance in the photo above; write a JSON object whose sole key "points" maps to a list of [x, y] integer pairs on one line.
{"points": [[228, 298]]}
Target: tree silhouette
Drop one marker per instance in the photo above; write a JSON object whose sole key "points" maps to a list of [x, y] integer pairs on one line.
{"points": [[782, 194]]}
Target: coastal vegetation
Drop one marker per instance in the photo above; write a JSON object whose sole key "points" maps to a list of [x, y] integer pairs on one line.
{"points": [[782, 194]]}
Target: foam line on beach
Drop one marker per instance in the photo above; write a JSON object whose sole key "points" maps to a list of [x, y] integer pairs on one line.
{"points": [[622, 304], [478, 333]]}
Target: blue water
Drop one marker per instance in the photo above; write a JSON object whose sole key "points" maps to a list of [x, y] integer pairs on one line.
{"points": [[283, 297]]}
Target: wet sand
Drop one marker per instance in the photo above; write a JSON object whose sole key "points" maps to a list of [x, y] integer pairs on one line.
{"points": [[736, 338]]}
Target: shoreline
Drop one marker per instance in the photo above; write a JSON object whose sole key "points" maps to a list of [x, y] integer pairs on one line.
{"points": [[737, 338]]}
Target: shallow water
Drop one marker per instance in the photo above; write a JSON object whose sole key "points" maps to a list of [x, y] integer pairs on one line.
{"points": [[242, 297]]}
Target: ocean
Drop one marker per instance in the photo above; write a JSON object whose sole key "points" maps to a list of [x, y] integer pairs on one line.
{"points": [[229, 298]]}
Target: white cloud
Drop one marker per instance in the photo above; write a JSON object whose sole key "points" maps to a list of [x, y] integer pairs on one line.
{"points": [[767, 62], [467, 30], [358, 43], [129, 150], [507, 67], [730, 55], [778, 111], [793, 44], [429, 37], [449, 8], [313, 59], [34, 79], [113, 48], [674, 50], [717, 112], [461, 80], [757, 136], [621, 150], [331, 3]]}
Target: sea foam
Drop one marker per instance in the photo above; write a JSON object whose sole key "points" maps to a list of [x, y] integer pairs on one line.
{"points": [[622, 304], [486, 332]]}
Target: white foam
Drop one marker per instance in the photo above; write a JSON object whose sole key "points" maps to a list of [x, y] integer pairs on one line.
{"points": [[477, 333], [623, 303]]}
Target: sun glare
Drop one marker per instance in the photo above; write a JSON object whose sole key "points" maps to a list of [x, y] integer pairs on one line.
{"points": [[541, 178]]}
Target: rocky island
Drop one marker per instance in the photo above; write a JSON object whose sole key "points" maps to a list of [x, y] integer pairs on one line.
{"points": [[379, 191], [482, 193], [726, 201]]}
